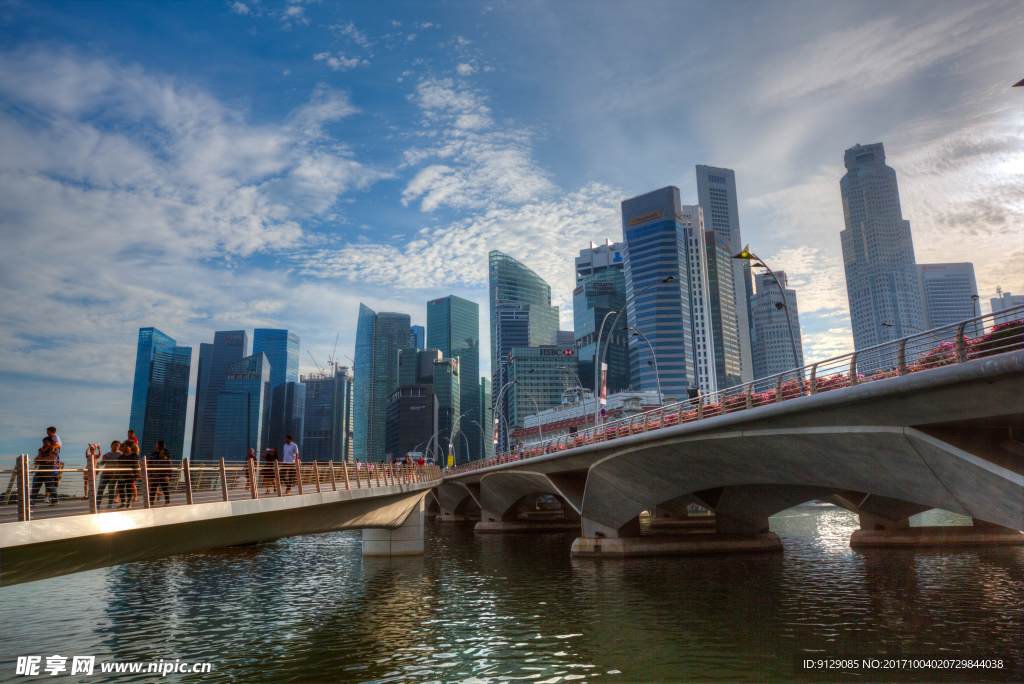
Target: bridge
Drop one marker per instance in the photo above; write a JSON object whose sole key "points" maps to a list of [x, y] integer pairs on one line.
{"points": [[930, 421], [209, 506]]}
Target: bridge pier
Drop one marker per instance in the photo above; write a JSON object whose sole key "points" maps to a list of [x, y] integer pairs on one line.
{"points": [[884, 533], [602, 541], [406, 540]]}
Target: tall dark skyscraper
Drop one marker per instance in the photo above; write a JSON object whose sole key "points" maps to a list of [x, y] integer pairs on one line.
{"points": [[379, 336], [160, 393], [228, 346], [725, 340], [282, 350], [878, 251], [327, 427], [487, 436], [716, 194], [594, 297], [287, 414], [453, 327], [417, 337], [243, 409]]}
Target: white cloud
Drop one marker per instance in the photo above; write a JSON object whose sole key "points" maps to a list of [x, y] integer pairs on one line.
{"points": [[339, 62], [465, 69], [146, 195], [411, 36], [358, 37], [240, 8]]}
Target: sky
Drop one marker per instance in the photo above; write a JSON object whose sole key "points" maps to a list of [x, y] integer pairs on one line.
{"points": [[214, 166]]}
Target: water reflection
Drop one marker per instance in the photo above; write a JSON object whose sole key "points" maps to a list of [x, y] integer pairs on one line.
{"points": [[515, 608]]}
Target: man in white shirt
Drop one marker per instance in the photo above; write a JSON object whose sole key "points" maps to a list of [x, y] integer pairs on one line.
{"points": [[51, 432], [289, 453]]}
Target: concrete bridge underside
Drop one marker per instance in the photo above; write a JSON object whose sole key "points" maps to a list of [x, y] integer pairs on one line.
{"points": [[391, 517], [948, 438]]}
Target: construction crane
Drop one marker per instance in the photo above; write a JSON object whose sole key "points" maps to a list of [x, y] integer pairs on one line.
{"points": [[330, 359], [315, 363]]}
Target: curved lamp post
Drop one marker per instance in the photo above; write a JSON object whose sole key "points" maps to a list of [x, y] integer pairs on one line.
{"points": [[750, 256], [636, 331], [600, 356], [455, 430], [586, 414]]}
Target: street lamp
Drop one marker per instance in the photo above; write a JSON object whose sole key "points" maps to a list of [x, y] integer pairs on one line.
{"points": [[750, 256], [636, 331], [599, 356], [586, 414], [497, 407], [455, 429], [540, 430]]}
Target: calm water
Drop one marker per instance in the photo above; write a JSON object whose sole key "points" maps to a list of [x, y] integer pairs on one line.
{"points": [[516, 608]]}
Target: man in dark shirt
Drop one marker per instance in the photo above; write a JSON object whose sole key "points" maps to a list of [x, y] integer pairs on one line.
{"points": [[45, 475], [128, 466]]}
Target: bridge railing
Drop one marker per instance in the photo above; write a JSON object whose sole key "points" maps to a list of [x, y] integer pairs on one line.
{"points": [[974, 338], [36, 491]]}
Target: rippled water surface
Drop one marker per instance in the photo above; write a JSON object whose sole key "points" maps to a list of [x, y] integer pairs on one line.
{"points": [[516, 608]]}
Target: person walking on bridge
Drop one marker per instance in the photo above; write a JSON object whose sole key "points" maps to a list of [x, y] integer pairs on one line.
{"points": [[290, 452], [45, 475], [269, 476], [128, 466], [108, 479], [159, 476]]}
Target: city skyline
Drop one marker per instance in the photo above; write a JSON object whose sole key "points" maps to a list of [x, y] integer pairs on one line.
{"points": [[240, 266]]}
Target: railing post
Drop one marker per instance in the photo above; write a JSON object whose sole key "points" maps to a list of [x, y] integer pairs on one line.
{"points": [[298, 473], [359, 475], [853, 369], [901, 358], [750, 396], [344, 469], [91, 474], [316, 474], [224, 480], [376, 474], [188, 481], [814, 376], [369, 483], [961, 343], [146, 502], [253, 484], [277, 477], [334, 479], [24, 505], [700, 408], [778, 389]]}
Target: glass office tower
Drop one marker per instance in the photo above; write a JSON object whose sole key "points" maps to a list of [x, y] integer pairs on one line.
{"points": [[282, 350], [203, 368], [716, 194], [428, 368], [773, 347], [287, 414], [453, 327], [487, 434], [946, 290], [725, 340], [664, 238], [243, 409], [160, 393], [417, 337], [593, 299], [878, 252], [379, 336], [538, 381], [327, 422], [228, 346]]}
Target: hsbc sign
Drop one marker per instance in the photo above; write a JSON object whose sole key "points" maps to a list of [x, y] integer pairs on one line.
{"points": [[557, 352]]}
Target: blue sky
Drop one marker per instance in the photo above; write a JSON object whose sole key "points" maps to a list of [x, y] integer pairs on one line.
{"points": [[205, 166]]}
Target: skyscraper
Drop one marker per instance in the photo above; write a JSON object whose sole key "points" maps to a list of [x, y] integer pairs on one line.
{"points": [[243, 409], [453, 326], [160, 393], [487, 434], [665, 238], [287, 415], [773, 348], [428, 368], [282, 350], [327, 425], [510, 282], [538, 380], [417, 337], [878, 251], [521, 316], [716, 194], [228, 346], [725, 339], [594, 298], [597, 258], [947, 290], [1003, 301], [379, 336], [202, 371]]}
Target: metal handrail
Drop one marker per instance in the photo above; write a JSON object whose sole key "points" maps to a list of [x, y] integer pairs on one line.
{"points": [[879, 362], [29, 484]]}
